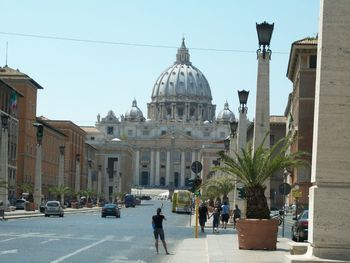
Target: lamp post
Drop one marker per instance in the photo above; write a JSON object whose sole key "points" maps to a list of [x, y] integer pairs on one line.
{"points": [[4, 158], [262, 105], [99, 182], [296, 187], [38, 171], [77, 173], [262, 111], [89, 182], [233, 146], [242, 121], [61, 166]]}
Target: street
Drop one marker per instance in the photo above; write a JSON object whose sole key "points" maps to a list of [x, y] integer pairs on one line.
{"points": [[87, 237]]}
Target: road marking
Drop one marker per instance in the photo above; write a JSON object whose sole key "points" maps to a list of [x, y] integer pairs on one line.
{"points": [[50, 240], [81, 250], [13, 251]]}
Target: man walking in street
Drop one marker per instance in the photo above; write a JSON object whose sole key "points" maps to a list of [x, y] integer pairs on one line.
{"points": [[157, 224], [203, 215], [236, 215]]}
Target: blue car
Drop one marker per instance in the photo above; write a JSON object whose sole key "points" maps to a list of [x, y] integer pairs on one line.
{"points": [[129, 200]]}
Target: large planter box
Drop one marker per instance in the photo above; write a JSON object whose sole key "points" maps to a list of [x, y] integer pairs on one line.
{"points": [[257, 233], [88, 205], [30, 206]]}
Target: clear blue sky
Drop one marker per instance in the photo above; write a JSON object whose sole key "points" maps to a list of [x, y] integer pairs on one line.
{"points": [[82, 79]]}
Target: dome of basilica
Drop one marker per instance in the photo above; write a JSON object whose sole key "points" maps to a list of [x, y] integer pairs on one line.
{"points": [[181, 92], [226, 115], [182, 81], [134, 113]]}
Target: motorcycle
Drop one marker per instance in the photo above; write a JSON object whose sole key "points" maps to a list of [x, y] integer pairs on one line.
{"points": [[278, 217]]}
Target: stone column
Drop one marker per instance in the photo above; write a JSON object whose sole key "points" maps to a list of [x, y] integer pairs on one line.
{"points": [[329, 198], [262, 105], [151, 168], [242, 129], [194, 158], [167, 172], [4, 164], [157, 179], [77, 173], [137, 168], [38, 175], [183, 169], [61, 166], [99, 180], [89, 182]]}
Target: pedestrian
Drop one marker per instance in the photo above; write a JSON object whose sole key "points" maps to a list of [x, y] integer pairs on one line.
{"points": [[216, 219], [203, 214], [157, 224], [236, 215], [225, 214]]}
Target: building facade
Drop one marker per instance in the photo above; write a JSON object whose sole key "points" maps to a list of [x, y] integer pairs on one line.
{"points": [[159, 150], [300, 110]]}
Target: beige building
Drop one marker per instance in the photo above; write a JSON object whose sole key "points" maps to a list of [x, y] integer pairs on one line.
{"points": [[181, 127]]}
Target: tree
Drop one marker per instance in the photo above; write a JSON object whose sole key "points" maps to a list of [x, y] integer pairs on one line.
{"points": [[220, 186], [60, 191], [253, 168], [27, 188]]}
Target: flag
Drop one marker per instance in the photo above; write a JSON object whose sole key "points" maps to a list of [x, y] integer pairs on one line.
{"points": [[13, 100]]}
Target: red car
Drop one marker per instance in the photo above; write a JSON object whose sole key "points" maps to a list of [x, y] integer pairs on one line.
{"points": [[300, 227]]}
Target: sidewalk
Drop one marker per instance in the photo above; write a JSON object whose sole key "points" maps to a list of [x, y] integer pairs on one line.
{"points": [[223, 248], [16, 214]]}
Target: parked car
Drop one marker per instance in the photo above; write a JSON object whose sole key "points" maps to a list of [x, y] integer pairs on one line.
{"points": [[110, 210], [300, 227], [20, 204], [54, 208]]}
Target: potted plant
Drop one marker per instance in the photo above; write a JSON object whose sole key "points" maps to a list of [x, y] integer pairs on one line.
{"points": [[253, 169], [27, 190]]}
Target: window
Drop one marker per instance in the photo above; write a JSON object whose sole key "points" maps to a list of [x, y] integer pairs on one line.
{"points": [[188, 133], [206, 134], [145, 132], [145, 156], [92, 138], [272, 140], [130, 132], [109, 130], [163, 156], [312, 61], [188, 156], [163, 132], [222, 135]]}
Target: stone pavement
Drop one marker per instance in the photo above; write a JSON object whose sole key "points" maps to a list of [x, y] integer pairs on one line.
{"points": [[208, 247], [223, 248]]}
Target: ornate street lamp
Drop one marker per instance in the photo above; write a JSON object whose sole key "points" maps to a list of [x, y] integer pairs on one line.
{"points": [[264, 34], [243, 98], [233, 128]]}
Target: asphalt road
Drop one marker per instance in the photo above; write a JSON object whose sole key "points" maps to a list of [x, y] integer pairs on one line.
{"points": [[87, 237]]}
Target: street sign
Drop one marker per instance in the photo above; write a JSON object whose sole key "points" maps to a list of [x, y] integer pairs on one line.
{"points": [[284, 189], [297, 193], [196, 167]]}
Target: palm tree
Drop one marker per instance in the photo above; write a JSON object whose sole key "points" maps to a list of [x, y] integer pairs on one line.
{"points": [[253, 168], [60, 191], [220, 186]]}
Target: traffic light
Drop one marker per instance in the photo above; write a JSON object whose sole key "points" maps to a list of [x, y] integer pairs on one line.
{"points": [[195, 184], [241, 192]]}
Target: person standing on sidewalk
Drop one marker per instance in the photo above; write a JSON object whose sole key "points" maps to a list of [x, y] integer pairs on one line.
{"points": [[216, 220], [158, 231], [203, 215], [225, 214], [236, 215]]}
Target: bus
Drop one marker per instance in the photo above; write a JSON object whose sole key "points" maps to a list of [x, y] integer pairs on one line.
{"points": [[181, 201]]}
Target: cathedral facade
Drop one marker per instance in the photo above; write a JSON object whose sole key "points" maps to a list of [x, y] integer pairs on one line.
{"points": [[157, 149]]}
